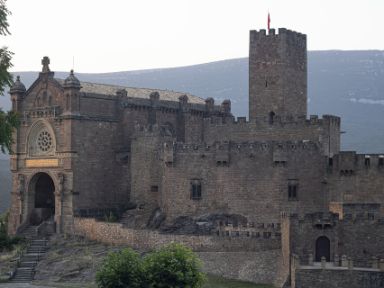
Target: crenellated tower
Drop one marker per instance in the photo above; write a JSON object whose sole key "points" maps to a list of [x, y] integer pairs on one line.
{"points": [[277, 74]]}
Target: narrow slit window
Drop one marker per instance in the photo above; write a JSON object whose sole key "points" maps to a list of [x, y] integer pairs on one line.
{"points": [[367, 161], [196, 189]]}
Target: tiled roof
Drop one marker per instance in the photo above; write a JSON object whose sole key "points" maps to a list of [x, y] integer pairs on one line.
{"points": [[106, 89]]}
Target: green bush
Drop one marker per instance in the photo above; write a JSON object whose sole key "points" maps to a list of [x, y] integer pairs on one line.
{"points": [[6, 242], [121, 269], [172, 266]]}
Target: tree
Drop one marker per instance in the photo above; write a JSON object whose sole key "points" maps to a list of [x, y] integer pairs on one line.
{"points": [[122, 269], [173, 266], [8, 121]]}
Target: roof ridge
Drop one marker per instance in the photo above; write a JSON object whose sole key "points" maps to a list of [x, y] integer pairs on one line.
{"points": [[113, 86]]}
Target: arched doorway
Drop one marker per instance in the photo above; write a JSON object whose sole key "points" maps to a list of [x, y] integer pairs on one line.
{"points": [[323, 246], [42, 196]]}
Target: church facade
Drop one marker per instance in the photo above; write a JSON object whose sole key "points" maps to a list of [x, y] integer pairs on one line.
{"points": [[161, 157]]}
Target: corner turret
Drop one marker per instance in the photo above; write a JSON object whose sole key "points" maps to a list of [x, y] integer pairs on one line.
{"points": [[71, 93], [17, 92]]}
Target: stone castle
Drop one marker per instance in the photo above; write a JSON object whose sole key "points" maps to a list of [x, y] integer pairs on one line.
{"points": [[172, 166]]}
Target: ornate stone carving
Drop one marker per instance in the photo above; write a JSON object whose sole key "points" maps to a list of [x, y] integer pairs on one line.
{"points": [[60, 186], [41, 140], [20, 186]]}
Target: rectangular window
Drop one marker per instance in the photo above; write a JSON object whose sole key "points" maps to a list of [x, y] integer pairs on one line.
{"points": [[196, 189], [367, 161], [154, 188], [330, 162], [293, 189], [381, 161]]}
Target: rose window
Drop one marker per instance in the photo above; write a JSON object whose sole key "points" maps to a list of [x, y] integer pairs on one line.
{"points": [[44, 141]]}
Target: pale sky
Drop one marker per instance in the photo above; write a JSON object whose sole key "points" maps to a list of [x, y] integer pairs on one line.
{"points": [[122, 35]]}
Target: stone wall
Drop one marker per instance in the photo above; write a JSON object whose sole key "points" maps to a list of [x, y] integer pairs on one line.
{"points": [[258, 267], [359, 237], [248, 259], [249, 179], [332, 278], [324, 130], [114, 233], [355, 178]]}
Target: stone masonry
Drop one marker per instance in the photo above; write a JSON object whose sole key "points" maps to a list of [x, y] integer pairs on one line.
{"points": [[174, 166]]}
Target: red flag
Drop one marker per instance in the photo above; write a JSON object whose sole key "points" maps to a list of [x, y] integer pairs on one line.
{"points": [[269, 22]]}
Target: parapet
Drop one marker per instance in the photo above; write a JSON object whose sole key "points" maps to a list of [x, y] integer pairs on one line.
{"points": [[278, 121], [258, 146], [282, 35], [330, 219]]}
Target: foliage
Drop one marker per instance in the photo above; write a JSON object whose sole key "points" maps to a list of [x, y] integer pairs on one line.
{"points": [[111, 217], [121, 269], [172, 266], [6, 242], [8, 121]]}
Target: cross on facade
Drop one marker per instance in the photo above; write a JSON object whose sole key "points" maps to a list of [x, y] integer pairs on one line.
{"points": [[45, 62]]}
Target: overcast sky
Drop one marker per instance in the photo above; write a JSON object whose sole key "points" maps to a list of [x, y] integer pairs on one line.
{"points": [[120, 35]]}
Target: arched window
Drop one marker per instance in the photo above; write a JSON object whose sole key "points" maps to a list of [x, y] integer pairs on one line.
{"points": [[323, 247], [41, 139]]}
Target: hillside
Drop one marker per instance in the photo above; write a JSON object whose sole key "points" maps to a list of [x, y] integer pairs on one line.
{"points": [[344, 83]]}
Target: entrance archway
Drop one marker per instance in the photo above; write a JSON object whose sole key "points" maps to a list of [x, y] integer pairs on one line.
{"points": [[42, 196], [323, 246]]}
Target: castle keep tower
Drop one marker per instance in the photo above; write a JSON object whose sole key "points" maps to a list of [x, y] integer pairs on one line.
{"points": [[277, 74]]}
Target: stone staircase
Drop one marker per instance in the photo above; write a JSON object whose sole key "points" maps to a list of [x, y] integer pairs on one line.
{"points": [[33, 253]]}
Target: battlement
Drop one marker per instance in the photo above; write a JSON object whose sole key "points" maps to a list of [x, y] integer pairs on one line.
{"points": [[282, 34], [330, 219], [296, 121], [348, 162], [257, 146]]}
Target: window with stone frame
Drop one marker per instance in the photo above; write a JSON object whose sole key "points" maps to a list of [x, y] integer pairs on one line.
{"points": [[381, 161], [195, 189], [293, 189], [41, 139]]}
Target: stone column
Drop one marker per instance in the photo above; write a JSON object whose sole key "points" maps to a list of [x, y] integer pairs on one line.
{"points": [[59, 198], [310, 259], [20, 195], [350, 263], [381, 265], [336, 261], [344, 261], [375, 262], [323, 262]]}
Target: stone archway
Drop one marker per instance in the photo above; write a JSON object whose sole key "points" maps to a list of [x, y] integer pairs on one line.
{"points": [[41, 198], [323, 247]]}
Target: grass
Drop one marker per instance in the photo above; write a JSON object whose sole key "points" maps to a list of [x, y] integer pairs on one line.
{"points": [[212, 282], [219, 282]]}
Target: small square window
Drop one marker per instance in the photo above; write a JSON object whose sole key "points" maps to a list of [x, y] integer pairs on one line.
{"points": [[154, 188]]}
